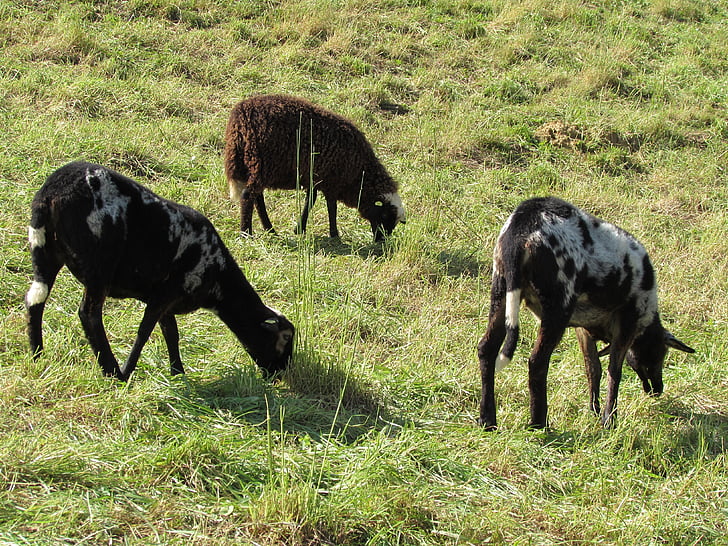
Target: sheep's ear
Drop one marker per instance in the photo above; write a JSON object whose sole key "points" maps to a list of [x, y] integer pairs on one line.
{"points": [[270, 324], [675, 343]]}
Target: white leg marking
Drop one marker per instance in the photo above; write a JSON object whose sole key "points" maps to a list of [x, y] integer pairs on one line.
{"points": [[38, 293], [501, 362], [513, 304], [36, 237]]}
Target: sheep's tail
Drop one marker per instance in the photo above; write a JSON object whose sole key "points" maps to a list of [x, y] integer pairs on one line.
{"points": [[511, 259], [236, 170]]}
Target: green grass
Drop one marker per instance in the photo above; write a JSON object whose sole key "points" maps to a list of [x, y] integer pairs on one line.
{"points": [[370, 438]]}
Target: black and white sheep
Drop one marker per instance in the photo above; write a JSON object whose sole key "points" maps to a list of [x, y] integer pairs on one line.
{"points": [[121, 240], [572, 269], [283, 142]]}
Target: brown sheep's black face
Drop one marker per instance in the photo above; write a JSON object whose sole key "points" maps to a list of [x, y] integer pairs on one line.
{"points": [[384, 215]]}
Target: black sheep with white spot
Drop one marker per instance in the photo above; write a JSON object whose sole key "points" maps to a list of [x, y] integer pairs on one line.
{"points": [[121, 240], [572, 270]]}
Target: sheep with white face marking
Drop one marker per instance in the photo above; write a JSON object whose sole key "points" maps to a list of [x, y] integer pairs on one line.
{"points": [[572, 269], [282, 142], [121, 240]]}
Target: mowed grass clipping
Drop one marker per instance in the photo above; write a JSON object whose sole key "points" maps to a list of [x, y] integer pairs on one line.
{"points": [[370, 437]]}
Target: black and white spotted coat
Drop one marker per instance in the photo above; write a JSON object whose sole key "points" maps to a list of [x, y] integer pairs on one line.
{"points": [[119, 239], [572, 270]]}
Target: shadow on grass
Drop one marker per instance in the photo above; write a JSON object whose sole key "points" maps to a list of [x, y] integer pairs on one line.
{"points": [[334, 246], [702, 433], [313, 398], [697, 435], [462, 264]]}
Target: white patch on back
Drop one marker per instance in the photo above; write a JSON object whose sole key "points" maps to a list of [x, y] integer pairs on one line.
{"points": [[38, 293], [394, 200], [611, 247], [513, 304], [108, 201], [209, 253], [36, 237]]}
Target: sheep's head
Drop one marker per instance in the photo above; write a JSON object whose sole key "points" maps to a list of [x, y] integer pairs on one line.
{"points": [[384, 213], [273, 346], [647, 354]]}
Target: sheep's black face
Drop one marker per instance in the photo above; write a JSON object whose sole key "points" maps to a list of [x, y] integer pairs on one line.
{"points": [[273, 347], [384, 215], [647, 361], [647, 355]]}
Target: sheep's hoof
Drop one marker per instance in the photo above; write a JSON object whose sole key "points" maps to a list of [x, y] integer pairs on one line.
{"points": [[492, 427]]}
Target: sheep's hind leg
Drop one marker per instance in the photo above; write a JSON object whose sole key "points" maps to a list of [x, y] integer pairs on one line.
{"points": [[35, 301], [488, 349], [263, 214], [247, 200]]}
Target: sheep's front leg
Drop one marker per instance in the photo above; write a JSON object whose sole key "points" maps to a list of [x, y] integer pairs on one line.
{"points": [[308, 203], [487, 353], [90, 313], [592, 365], [151, 316], [614, 376], [549, 336], [331, 209], [168, 325]]}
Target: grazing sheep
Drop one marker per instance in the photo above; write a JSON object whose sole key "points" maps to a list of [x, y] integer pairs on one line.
{"points": [[572, 269], [270, 142], [121, 240]]}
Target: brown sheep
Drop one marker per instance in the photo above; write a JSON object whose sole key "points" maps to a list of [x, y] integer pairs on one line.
{"points": [[269, 143]]}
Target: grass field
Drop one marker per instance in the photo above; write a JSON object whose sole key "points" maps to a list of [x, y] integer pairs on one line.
{"points": [[370, 438]]}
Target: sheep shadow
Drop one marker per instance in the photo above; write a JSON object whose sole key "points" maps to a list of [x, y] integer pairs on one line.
{"points": [[318, 400], [461, 264], [699, 435], [335, 246]]}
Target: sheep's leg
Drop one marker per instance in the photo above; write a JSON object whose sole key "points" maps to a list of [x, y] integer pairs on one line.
{"points": [[247, 200], [592, 365], [308, 203], [619, 347], [549, 335], [331, 208], [151, 316], [90, 313], [488, 349], [35, 301], [263, 214], [168, 325]]}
